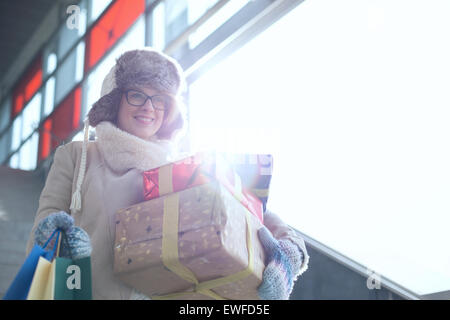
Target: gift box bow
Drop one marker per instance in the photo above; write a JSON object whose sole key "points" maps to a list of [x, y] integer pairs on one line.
{"points": [[203, 168]]}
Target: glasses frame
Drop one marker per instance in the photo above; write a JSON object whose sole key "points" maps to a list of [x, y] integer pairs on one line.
{"points": [[147, 98]]}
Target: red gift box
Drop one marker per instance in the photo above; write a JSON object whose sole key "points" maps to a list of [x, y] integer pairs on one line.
{"points": [[196, 170]]}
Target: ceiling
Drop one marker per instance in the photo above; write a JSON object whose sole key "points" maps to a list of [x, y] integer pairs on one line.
{"points": [[18, 21]]}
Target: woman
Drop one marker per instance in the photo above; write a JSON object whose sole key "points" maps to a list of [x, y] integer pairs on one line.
{"points": [[137, 120]]}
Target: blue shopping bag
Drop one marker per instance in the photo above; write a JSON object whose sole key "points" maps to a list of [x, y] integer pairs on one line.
{"points": [[18, 290]]}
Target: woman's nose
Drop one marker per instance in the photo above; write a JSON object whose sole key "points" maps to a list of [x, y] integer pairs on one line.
{"points": [[148, 105]]}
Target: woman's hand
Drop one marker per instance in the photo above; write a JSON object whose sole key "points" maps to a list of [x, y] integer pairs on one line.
{"points": [[283, 262], [76, 243]]}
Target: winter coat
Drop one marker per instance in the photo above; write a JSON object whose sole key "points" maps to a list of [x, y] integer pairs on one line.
{"points": [[113, 180]]}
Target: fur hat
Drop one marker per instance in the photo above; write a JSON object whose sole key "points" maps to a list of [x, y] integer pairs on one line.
{"points": [[139, 67]]}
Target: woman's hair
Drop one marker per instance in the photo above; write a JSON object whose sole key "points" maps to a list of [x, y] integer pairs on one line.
{"points": [[174, 119]]}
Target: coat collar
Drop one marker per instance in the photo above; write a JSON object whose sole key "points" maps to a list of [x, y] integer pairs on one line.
{"points": [[123, 151]]}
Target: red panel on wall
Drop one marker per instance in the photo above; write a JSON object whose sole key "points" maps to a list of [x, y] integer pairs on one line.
{"points": [[45, 140], [76, 108], [27, 85], [61, 123], [64, 118], [114, 23], [33, 85]]}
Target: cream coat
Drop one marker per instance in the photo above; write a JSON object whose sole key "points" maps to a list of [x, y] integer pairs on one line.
{"points": [[113, 180]]}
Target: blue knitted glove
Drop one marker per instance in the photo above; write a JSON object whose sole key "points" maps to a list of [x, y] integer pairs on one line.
{"points": [[75, 244], [283, 262]]}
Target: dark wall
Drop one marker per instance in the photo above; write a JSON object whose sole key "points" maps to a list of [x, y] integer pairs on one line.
{"points": [[329, 279], [19, 200]]}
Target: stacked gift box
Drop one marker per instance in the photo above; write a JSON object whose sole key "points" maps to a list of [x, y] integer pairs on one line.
{"points": [[195, 236]]}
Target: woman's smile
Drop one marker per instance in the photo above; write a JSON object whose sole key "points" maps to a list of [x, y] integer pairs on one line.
{"points": [[144, 120]]}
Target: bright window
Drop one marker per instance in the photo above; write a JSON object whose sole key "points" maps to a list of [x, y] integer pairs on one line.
{"points": [[29, 152], [16, 133], [175, 19], [158, 30], [69, 73], [79, 61], [97, 8], [52, 61], [197, 8], [49, 103], [31, 116], [14, 161], [351, 98], [219, 18]]}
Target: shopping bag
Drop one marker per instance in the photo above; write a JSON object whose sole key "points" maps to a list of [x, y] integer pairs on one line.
{"points": [[69, 280], [18, 290], [40, 279], [62, 279]]}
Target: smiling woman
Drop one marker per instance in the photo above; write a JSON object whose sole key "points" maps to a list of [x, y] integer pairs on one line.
{"points": [[91, 180]]}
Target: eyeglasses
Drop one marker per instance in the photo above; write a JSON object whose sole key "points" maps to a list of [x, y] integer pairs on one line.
{"points": [[138, 99]]}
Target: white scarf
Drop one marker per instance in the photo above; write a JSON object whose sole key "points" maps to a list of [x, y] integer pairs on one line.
{"points": [[123, 151]]}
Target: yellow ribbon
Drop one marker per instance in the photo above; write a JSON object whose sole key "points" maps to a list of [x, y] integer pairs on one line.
{"points": [[237, 188], [170, 256]]}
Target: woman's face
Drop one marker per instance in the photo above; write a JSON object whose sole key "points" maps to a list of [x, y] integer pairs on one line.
{"points": [[142, 121]]}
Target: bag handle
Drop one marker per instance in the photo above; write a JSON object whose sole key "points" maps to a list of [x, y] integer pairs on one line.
{"points": [[56, 246], [61, 236]]}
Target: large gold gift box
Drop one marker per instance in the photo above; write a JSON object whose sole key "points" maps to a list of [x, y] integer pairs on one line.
{"points": [[199, 243]]}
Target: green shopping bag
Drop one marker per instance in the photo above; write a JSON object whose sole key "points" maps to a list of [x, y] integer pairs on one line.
{"points": [[69, 280], [62, 279]]}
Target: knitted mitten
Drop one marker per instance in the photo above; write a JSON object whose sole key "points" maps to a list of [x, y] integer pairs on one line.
{"points": [[75, 242], [283, 262]]}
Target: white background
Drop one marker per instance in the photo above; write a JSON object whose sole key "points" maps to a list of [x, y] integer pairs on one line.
{"points": [[352, 99]]}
